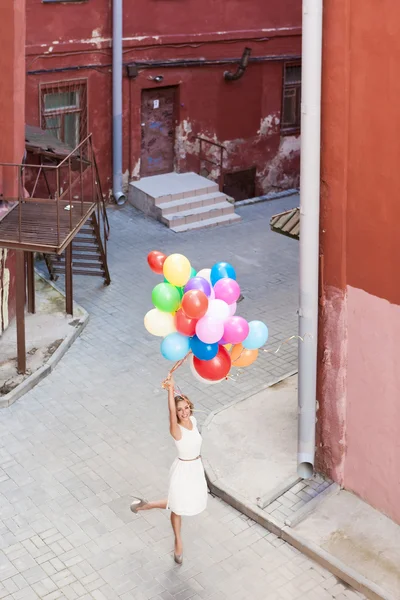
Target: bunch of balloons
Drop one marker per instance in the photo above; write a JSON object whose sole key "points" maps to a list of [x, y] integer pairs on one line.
{"points": [[195, 312]]}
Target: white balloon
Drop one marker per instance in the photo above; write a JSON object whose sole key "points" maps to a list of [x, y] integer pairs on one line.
{"points": [[159, 323], [199, 377], [218, 309], [205, 273], [232, 308]]}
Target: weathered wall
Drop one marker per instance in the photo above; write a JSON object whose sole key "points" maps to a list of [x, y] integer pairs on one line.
{"points": [[12, 124], [245, 115], [360, 320]]}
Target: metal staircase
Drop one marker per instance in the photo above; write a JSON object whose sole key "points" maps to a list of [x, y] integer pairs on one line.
{"points": [[89, 247]]}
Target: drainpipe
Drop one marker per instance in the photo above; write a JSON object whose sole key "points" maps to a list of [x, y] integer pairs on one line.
{"points": [[309, 231], [244, 61], [118, 194]]}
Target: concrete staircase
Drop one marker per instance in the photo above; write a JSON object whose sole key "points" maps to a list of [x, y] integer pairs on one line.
{"points": [[182, 201]]}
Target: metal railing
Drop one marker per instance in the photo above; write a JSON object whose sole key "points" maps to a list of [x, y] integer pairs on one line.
{"points": [[73, 185], [204, 157]]}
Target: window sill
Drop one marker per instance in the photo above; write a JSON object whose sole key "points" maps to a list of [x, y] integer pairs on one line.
{"points": [[290, 131], [64, 1]]}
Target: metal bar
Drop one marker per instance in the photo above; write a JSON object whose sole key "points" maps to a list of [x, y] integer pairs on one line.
{"points": [[30, 271], [221, 177], [81, 179], [68, 280], [20, 311], [58, 206], [211, 142], [74, 151], [37, 179], [70, 194]]}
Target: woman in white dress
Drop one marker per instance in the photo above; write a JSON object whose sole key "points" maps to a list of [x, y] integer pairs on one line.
{"points": [[187, 494]]}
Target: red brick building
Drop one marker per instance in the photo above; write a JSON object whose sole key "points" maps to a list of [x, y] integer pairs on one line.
{"points": [[359, 327], [12, 126], [175, 54]]}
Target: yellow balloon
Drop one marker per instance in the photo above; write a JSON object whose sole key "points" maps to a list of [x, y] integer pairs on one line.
{"points": [[159, 323], [228, 347], [177, 269]]}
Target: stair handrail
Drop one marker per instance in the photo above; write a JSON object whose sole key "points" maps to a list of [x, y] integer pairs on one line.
{"points": [[100, 193], [204, 158]]}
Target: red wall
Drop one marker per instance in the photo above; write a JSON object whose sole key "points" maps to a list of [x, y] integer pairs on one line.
{"points": [[359, 365], [244, 115], [12, 127]]}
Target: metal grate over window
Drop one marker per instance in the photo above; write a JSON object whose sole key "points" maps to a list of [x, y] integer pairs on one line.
{"points": [[63, 110], [291, 104]]}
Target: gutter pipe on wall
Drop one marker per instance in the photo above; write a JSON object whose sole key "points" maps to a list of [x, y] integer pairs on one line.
{"points": [[309, 231], [118, 194]]}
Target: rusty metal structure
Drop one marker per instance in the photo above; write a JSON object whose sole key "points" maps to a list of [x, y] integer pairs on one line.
{"points": [[205, 148], [55, 197]]}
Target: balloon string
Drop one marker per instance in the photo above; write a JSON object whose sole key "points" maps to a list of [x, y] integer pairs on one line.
{"points": [[293, 337], [176, 366]]}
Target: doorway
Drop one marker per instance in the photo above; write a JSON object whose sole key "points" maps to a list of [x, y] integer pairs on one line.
{"points": [[158, 120]]}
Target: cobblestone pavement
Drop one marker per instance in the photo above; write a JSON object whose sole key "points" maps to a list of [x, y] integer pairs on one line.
{"points": [[75, 449]]}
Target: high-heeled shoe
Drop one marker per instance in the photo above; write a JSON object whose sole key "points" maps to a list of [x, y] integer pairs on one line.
{"points": [[137, 503], [178, 558]]}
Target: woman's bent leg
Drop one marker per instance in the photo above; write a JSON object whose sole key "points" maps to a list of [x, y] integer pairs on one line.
{"points": [[155, 504]]}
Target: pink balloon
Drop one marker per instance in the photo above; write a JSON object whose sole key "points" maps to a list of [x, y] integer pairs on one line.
{"points": [[210, 330], [236, 330], [232, 308], [227, 290]]}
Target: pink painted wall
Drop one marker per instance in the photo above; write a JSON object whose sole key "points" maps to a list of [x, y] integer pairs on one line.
{"points": [[372, 466]]}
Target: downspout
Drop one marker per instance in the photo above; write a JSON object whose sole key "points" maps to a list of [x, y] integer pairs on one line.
{"points": [[244, 61], [118, 194], [309, 231]]}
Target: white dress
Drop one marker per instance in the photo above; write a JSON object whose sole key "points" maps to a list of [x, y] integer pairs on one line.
{"points": [[187, 494]]}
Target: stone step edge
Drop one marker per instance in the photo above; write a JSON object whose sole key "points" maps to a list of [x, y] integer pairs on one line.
{"points": [[158, 200], [222, 220], [191, 200], [200, 210]]}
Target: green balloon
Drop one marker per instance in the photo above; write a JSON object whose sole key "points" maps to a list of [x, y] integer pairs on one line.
{"points": [[166, 297], [193, 273], [181, 291]]}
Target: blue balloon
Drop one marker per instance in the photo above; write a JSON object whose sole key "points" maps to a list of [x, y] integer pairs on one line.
{"points": [[221, 270], [257, 337], [175, 346], [201, 350]]}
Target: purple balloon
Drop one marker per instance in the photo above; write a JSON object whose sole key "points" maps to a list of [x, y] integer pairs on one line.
{"points": [[236, 329], [198, 283]]}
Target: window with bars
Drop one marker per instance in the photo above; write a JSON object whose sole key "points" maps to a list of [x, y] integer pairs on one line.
{"points": [[64, 110], [290, 119]]}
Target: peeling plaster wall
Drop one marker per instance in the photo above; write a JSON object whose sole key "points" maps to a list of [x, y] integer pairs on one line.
{"points": [[244, 115]]}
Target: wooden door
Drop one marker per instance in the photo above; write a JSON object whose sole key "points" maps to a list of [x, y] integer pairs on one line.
{"points": [[158, 131]]}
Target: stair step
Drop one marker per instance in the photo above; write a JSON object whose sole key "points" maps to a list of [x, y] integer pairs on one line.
{"points": [[198, 214], [168, 208], [222, 220], [81, 271], [78, 263], [84, 248]]}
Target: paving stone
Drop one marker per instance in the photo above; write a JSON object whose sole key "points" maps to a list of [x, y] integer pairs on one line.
{"points": [[76, 448]]}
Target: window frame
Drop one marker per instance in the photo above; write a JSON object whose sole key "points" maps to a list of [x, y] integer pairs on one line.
{"points": [[60, 87], [286, 86]]}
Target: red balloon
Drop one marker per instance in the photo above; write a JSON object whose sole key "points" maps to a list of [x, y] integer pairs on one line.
{"points": [[185, 324], [156, 261], [195, 304], [215, 369]]}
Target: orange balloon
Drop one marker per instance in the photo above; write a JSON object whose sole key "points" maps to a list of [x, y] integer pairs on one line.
{"points": [[241, 357]]}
